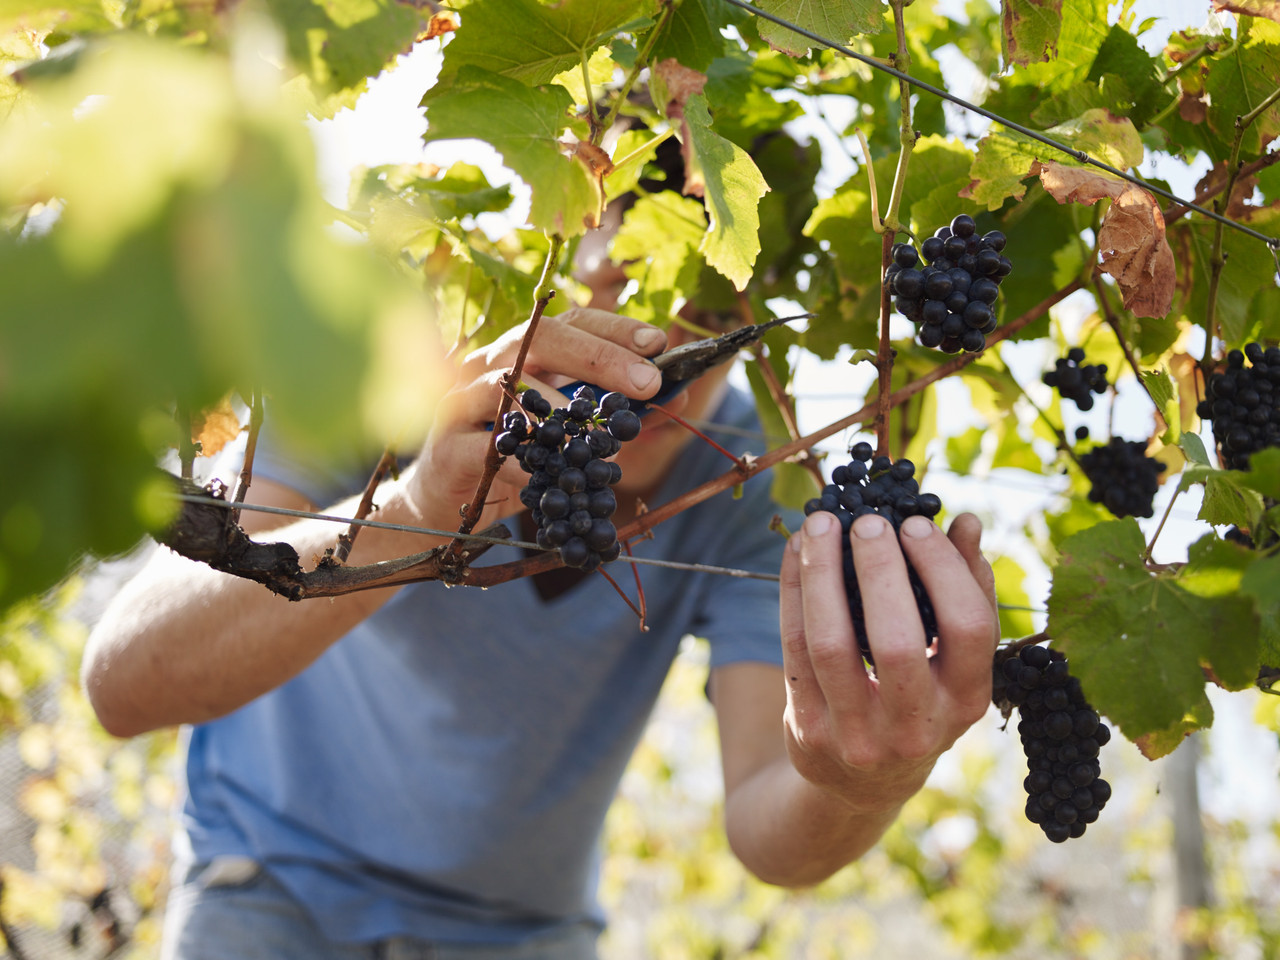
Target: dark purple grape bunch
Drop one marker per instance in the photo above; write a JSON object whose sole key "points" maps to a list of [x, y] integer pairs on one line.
{"points": [[565, 451], [952, 296], [1123, 478], [1061, 737], [1076, 380], [1244, 405], [869, 484]]}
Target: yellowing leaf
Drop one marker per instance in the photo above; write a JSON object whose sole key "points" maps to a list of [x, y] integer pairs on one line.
{"points": [[1131, 238], [1029, 29], [214, 428]]}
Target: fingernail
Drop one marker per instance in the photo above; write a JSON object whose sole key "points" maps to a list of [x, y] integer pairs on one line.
{"points": [[917, 527], [870, 526], [646, 338], [818, 523], [644, 375]]}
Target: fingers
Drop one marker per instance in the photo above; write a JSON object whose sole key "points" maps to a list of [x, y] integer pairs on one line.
{"points": [[965, 533], [803, 692], [581, 344], [894, 630], [962, 598], [828, 628]]}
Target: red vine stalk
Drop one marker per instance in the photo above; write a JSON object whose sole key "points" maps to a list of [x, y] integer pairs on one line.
{"points": [[250, 449], [692, 429], [884, 354], [386, 463], [623, 594]]}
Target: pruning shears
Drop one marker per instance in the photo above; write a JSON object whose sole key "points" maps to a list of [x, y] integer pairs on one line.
{"points": [[682, 365]]}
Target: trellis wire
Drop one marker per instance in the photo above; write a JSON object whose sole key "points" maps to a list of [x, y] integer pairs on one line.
{"points": [[1272, 242], [453, 534]]}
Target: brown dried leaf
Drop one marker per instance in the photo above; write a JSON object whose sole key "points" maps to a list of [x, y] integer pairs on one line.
{"points": [[214, 428], [1132, 237], [675, 84], [600, 166], [1193, 109], [446, 21]]}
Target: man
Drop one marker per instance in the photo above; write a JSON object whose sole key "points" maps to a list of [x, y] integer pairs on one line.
{"points": [[425, 771]]}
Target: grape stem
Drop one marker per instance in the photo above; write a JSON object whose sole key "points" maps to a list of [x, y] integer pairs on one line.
{"points": [[884, 353], [493, 460], [623, 594]]}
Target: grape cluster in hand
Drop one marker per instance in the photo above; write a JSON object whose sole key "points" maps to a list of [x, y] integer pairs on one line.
{"points": [[1076, 380], [1244, 405], [886, 487], [952, 296], [564, 452], [1061, 737], [1124, 478]]}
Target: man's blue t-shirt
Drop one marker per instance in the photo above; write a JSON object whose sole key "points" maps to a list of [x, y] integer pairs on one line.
{"points": [[443, 771]]}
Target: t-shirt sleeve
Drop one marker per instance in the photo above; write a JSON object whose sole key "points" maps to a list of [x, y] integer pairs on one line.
{"points": [[737, 615]]}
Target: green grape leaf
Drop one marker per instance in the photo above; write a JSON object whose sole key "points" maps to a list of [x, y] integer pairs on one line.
{"points": [[1029, 29], [524, 125], [963, 449], [838, 20], [1241, 292], [1226, 499], [1010, 578], [634, 149], [1249, 78], [693, 36], [1137, 640], [939, 170], [1000, 168], [1193, 448], [660, 237], [1084, 28], [1161, 743], [1262, 582], [1013, 450], [732, 188], [533, 42], [339, 44]]}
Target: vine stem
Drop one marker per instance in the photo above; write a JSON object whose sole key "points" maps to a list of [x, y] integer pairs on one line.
{"points": [[1217, 260], [692, 429], [186, 445], [642, 61], [510, 380], [907, 142], [1146, 556], [1114, 323], [386, 463], [250, 450], [884, 353]]}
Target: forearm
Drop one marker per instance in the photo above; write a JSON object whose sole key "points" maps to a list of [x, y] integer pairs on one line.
{"points": [[183, 643], [789, 832]]}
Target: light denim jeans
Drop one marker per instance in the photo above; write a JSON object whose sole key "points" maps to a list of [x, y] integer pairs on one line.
{"points": [[232, 909]]}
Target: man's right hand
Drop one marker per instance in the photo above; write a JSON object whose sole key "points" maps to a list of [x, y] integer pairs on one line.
{"points": [[582, 343]]}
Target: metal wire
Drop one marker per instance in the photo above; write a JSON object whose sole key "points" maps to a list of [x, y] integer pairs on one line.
{"points": [[1080, 155], [451, 534]]}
